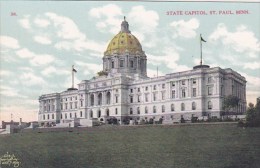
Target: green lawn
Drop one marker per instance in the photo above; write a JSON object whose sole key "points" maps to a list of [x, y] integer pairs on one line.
{"points": [[223, 146]]}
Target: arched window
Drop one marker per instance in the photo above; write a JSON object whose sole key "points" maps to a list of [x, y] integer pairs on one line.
{"points": [[193, 106], [154, 109], [209, 105], [138, 110], [146, 110], [100, 99], [108, 97], [182, 106], [172, 107], [92, 99], [131, 111], [107, 112], [163, 108]]}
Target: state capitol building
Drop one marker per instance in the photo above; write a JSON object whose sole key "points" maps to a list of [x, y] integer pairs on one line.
{"points": [[123, 91]]}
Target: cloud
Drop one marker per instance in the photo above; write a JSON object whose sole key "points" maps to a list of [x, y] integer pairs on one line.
{"points": [[30, 79], [50, 71], [35, 59], [107, 17], [25, 22], [5, 73], [9, 42], [144, 20], [66, 27], [185, 29], [170, 57], [10, 92], [241, 41], [252, 65], [41, 22], [42, 39], [90, 68]]}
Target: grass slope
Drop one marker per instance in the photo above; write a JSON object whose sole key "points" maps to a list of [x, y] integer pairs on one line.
{"points": [[146, 146]]}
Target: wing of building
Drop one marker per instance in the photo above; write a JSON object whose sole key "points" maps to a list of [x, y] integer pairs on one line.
{"points": [[123, 91]]}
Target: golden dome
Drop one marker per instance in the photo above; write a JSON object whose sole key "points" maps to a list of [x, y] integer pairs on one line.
{"points": [[123, 42]]}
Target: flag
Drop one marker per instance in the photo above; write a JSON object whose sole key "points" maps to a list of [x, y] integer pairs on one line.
{"points": [[73, 69], [202, 39]]}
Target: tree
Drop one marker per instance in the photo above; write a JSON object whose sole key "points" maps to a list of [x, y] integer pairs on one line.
{"points": [[253, 115], [102, 73], [230, 102]]}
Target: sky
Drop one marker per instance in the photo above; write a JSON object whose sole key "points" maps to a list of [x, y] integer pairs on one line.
{"points": [[41, 40]]}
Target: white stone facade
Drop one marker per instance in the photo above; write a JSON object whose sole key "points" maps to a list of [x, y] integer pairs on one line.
{"points": [[125, 92]]}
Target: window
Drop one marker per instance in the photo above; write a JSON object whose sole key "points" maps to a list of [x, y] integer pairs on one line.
{"points": [[146, 97], [61, 106], [173, 84], [131, 111], [193, 106], [163, 86], [173, 94], [139, 98], [154, 96], [70, 115], [138, 89], [194, 91], [91, 114], [70, 105], [112, 64], [132, 64], [163, 108], [121, 63], [154, 109], [81, 103], [131, 90], [163, 95], [210, 79], [91, 100], [76, 98], [209, 105], [65, 115], [172, 107], [100, 99], [52, 116], [76, 105], [194, 81], [183, 82], [80, 113], [146, 110], [66, 106], [53, 107], [146, 88], [60, 116], [138, 110], [75, 115], [116, 111], [182, 106], [116, 99], [183, 93], [131, 99], [43, 117], [99, 113], [107, 112], [154, 87], [210, 89]]}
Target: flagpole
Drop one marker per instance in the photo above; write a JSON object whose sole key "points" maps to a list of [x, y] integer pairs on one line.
{"points": [[200, 51], [72, 76]]}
